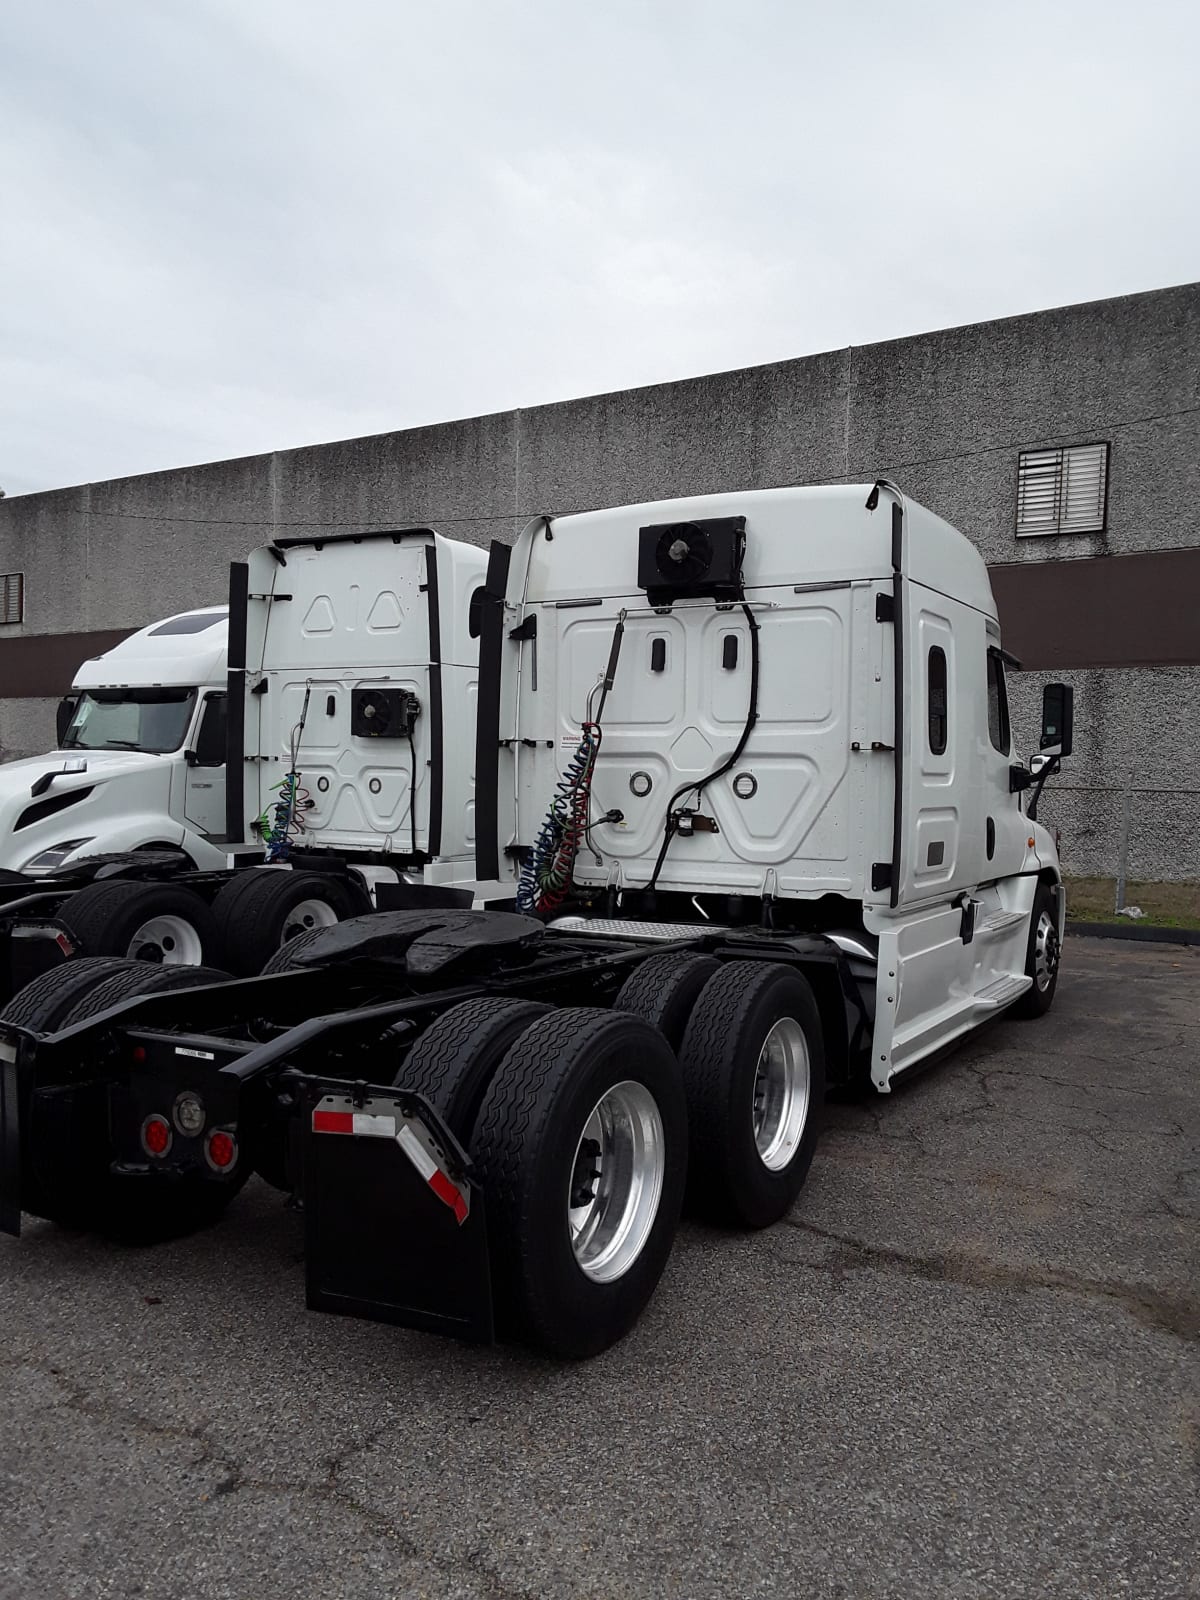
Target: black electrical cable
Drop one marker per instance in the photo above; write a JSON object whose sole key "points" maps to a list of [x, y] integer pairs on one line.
{"points": [[412, 795], [670, 826]]}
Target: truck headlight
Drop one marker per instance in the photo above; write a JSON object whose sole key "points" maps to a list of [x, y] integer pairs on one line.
{"points": [[47, 860]]}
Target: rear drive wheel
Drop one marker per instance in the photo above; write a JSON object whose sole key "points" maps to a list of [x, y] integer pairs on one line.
{"points": [[135, 978], [80, 1189], [1042, 956], [261, 909], [41, 1004], [663, 990], [753, 1061], [286, 957], [159, 923], [452, 1062], [581, 1146]]}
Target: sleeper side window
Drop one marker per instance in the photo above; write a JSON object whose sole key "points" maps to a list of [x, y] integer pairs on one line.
{"points": [[938, 711], [998, 725]]}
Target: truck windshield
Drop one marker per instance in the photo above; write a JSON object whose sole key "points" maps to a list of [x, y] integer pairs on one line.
{"points": [[154, 720]]}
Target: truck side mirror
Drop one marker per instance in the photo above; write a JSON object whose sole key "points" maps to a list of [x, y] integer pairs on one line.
{"points": [[1058, 717], [63, 716]]}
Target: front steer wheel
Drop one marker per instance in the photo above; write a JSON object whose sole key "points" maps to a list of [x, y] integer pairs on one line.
{"points": [[581, 1147], [1042, 956]]}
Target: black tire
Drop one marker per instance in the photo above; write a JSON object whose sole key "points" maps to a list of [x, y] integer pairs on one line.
{"points": [[663, 990], [730, 1181], [135, 978], [452, 1062], [105, 917], [49, 996], [254, 912], [1039, 997], [86, 1194], [284, 959], [526, 1139]]}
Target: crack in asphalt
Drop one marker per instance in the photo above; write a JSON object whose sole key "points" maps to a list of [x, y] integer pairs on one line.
{"points": [[237, 1480], [1180, 1318]]}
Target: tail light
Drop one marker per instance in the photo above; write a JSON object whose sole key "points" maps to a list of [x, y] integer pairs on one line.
{"points": [[156, 1135], [220, 1150]]}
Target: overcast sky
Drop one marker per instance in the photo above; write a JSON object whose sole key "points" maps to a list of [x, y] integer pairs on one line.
{"points": [[234, 225]]}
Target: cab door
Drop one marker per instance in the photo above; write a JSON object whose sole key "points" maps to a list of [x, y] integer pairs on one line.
{"points": [[942, 841], [204, 784]]}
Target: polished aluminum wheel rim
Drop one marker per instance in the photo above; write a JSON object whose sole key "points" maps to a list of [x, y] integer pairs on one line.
{"points": [[1045, 952], [169, 941], [308, 914], [616, 1181], [781, 1094]]}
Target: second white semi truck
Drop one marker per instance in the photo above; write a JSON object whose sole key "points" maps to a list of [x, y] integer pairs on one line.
{"points": [[751, 755], [320, 725], [140, 762]]}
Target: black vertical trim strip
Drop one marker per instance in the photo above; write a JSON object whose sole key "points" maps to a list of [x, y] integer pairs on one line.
{"points": [[10, 1148], [235, 722], [434, 840], [898, 696], [487, 714]]}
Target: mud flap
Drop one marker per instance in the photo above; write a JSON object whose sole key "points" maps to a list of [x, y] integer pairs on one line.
{"points": [[10, 1140], [394, 1226]]}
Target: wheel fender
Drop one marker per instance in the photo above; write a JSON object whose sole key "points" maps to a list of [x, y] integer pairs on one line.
{"points": [[133, 833]]}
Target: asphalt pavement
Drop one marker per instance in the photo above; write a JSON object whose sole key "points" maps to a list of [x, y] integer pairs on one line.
{"points": [[966, 1366]]}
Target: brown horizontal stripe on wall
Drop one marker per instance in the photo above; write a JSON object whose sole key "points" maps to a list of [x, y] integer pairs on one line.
{"points": [[1102, 611], [41, 664]]}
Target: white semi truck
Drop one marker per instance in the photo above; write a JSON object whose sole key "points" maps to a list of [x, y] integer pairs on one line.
{"points": [[749, 755], [140, 762], [337, 689]]}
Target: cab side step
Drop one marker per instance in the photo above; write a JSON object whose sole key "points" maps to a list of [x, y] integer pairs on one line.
{"points": [[1000, 991]]}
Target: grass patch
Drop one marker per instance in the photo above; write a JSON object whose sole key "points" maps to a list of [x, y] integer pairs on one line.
{"points": [[1167, 905]]}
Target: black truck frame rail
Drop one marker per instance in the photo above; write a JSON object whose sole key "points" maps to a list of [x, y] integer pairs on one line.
{"points": [[395, 1219]]}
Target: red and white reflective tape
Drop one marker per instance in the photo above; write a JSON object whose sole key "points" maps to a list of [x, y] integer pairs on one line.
{"points": [[371, 1126], [448, 1193], [354, 1122]]}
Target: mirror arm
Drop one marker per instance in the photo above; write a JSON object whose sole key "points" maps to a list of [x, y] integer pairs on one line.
{"points": [[1053, 765]]}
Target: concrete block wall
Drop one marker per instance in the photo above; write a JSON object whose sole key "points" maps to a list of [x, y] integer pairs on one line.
{"points": [[945, 413]]}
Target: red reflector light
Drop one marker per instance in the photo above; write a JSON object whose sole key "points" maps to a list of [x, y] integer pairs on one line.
{"points": [[221, 1150], [156, 1135], [138, 1054], [333, 1122]]}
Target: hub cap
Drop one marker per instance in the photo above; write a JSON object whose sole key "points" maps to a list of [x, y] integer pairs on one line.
{"points": [[168, 941], [781, 1093], [1045, 952], [616, 1181], [308, 914]]}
